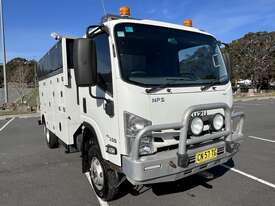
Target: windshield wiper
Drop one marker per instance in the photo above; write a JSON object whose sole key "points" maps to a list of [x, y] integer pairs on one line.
{"points": [[163, 86], [157, 88], [211, 84]]}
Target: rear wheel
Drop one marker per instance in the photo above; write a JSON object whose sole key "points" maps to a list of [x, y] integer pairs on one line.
{"points": [[104, 179], [78, 142], [51, 139]]}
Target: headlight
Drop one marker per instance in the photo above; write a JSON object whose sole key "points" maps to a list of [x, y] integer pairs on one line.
{"points": [[218, 122], [196, 126], [132, 125]]}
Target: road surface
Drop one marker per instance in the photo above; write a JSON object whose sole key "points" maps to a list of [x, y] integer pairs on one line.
{"points": [[31, 174]]}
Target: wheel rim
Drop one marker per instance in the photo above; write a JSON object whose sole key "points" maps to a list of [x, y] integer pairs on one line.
{"points": [[47, 135], [96, 173]]}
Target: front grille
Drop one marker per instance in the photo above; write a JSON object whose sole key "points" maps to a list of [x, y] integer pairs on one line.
{"points": [[191, 159], [166, 148], [220, 150]]}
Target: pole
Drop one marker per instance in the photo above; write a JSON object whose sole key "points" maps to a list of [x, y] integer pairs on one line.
{"points": [[35, 70], [103, 6], [4, 53]]}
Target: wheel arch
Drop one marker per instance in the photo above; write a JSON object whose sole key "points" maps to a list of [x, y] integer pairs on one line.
{"points": [[91, 134]]}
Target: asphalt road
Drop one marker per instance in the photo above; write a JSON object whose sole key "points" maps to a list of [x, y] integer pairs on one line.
{"points": [[3, 122], [31, 174]]}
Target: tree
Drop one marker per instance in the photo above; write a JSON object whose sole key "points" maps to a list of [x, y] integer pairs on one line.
{"points": [[253, 57], [21, 75]]}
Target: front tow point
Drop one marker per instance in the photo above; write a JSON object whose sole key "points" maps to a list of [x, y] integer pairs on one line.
{"points": [[183, 160], [232, 147]]}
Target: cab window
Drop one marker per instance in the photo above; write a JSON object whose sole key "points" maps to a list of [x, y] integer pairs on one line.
{"points": [[103, 63]]}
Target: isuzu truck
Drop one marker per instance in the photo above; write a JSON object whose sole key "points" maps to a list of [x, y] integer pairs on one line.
{"points": [[142, 100]]}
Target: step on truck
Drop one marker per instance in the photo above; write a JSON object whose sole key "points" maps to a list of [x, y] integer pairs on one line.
{"points": [[143, 101]]}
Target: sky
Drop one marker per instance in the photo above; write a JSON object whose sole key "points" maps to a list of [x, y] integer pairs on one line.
{"points": [[29, 23]]}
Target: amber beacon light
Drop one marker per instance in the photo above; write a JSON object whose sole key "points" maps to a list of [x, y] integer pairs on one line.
{"points": [[124, 11], [188, 22]]}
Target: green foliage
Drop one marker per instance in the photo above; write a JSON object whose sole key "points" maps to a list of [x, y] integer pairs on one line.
{"points": [[19, 67], [253, 57], [32, 98]]}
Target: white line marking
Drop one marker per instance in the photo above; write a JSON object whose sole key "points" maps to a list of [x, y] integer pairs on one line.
{"points": [[258, 138], [252, 104], [250, 176], [2, 128], [101, 202]]}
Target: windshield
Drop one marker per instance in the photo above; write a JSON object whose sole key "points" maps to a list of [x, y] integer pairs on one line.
{"points": [[153, 56]]}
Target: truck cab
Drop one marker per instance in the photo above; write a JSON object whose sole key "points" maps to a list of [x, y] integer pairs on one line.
{"points": [[150, 102]]}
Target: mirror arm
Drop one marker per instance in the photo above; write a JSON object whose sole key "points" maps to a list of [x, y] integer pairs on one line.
{"points": [[95, 97], [89, 28], [225, 44], [109, 106], [105, 29], [98, 27]]}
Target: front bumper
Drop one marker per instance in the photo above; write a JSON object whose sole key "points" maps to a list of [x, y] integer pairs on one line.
{"points": [[176, 164]]}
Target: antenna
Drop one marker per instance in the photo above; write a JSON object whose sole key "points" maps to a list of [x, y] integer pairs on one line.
{"points": [[103, 6]]}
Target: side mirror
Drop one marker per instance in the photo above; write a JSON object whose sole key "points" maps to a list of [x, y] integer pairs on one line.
{"points": [[226, 57], [84, 58]]}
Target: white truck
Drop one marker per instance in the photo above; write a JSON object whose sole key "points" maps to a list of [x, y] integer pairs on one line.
{"points": [[142, 100]]}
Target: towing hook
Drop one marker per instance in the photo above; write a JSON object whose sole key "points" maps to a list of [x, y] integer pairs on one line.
{"points": [[232, 147]]}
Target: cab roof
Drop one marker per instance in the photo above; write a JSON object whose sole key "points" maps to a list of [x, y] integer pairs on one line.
{"points": [[112, 22]]}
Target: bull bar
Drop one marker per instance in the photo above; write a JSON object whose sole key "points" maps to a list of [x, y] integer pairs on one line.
{"points": [[157, 167]]}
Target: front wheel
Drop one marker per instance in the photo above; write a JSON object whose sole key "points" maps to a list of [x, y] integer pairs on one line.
{"points": [[103, 178]]}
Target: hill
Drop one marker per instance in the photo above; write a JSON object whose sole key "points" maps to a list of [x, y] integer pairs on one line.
{"points": [[253, 57]]}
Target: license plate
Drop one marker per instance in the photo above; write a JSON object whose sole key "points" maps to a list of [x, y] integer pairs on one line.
{"points": [[206, 155]]}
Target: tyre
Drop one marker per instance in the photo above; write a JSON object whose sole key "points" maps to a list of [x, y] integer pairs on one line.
{"points": [[51, 139], [103, 178], [78, 142]]}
